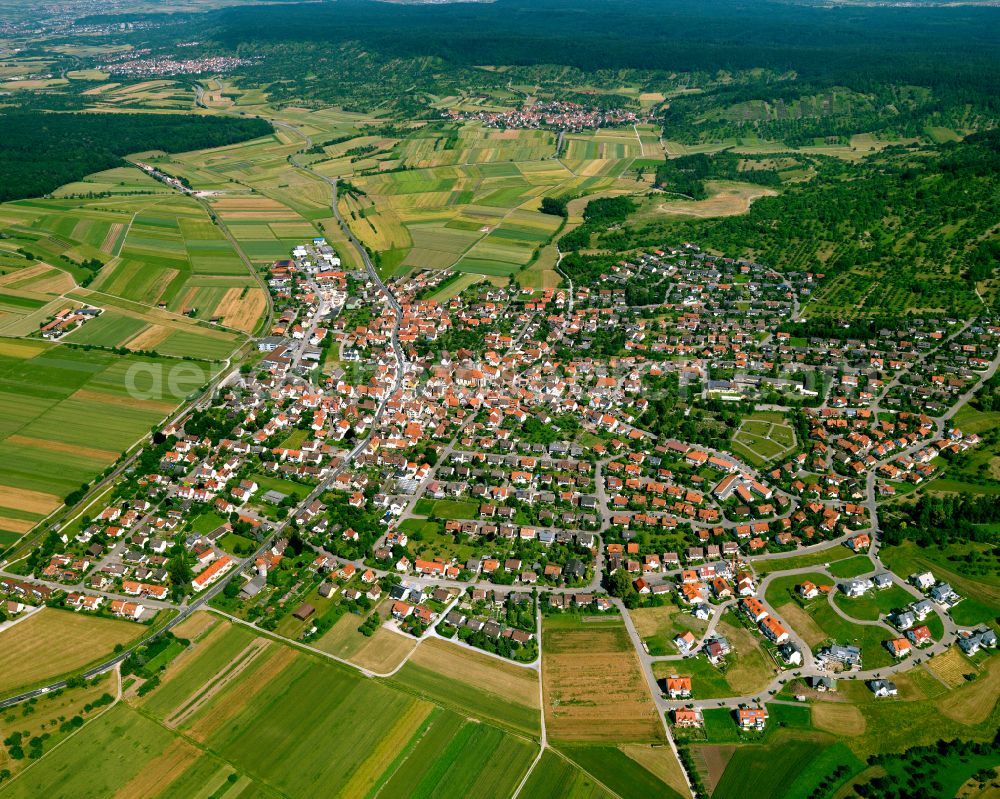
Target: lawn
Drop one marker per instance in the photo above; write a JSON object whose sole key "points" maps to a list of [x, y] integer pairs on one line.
{"points": [[852, 567], [452, 509], [268, 483], [816, 557], [53, 643], [874, 604], [782, 589]]}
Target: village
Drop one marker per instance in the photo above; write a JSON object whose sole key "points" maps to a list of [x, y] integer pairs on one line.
{"points": [[566, 116], [462, 468]]}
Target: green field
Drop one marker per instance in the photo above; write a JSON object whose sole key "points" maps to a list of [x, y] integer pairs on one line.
{"points": [[618, 772], [558, 778], [875, 603], [852, 567], [817, 557], [766, 770], [55, 404], [239, 709]]}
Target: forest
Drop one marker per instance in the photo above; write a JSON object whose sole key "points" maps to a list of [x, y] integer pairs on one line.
{"points": [[41, 151], [826, 72]]}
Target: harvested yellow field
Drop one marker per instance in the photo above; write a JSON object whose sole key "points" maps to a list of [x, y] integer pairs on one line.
{"points": [[53, 642], [196, 626], [29, 501], [247, 204], [240, 308], [489, 674], [839, 718], [15, 525], [127, 402], [148, 339], [381, 653], [25, 275], [802, 623], [594, 687], [55, 282], [973, 702]]}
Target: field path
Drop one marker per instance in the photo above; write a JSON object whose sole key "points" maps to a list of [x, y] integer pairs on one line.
{"points": [[541, 709], [240, 663]]}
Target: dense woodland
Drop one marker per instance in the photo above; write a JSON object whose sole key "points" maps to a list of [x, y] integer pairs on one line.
{"points": [[42, 151]]}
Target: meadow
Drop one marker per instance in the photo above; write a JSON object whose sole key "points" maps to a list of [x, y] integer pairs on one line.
{"points": [[981, 603], [49, 714], [747, 669]]}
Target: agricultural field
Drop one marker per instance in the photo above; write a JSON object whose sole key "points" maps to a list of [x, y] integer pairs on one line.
{"points": [[631, 770], [594, 688], [852, 567], [27, 655], [54, 406], [238, 704], [474, 683], [165, 270], [468, 197], [559, 778], [774, 768]]}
